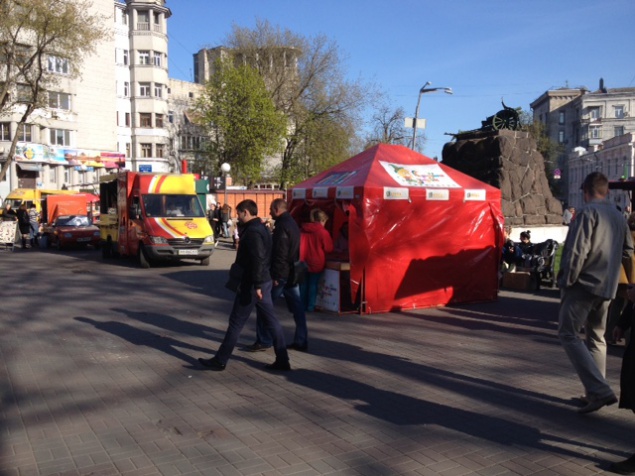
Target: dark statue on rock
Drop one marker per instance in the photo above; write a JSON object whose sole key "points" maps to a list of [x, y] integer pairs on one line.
{"points": [[502, 155]]}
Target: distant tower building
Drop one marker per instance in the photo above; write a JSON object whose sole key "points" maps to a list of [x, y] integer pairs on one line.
{"points": [[142, 84]]}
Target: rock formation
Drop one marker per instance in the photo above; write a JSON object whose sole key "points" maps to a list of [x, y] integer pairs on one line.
{"points": [[508, 160]]}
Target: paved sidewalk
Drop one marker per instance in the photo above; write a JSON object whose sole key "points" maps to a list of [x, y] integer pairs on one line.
{"points": [[98, 376]]}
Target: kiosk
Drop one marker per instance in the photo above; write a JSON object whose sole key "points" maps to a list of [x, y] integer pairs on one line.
{"points": [[420, 234]]}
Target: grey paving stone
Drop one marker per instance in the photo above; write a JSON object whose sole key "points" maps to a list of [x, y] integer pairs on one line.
{"points": [[108, 384]]}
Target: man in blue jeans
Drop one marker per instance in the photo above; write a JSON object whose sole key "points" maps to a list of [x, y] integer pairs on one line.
{"points": [[254, 258], [597, 243], [285, 252]]}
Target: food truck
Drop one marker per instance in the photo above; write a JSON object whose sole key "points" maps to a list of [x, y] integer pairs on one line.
{"points": [[153, 218]]}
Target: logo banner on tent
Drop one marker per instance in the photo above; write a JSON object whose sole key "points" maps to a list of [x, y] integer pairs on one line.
{"points": [[299, 193], [345, 192], [320, 192], [443, 195], [428, 176], [472, 195], [396, 193]]}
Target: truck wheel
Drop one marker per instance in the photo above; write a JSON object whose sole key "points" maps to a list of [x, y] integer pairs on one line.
{"points": [[205, 262], [106, 250], [144, 262]]}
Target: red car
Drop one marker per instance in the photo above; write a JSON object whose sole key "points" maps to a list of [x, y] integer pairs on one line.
{"points": [[72, 231]]}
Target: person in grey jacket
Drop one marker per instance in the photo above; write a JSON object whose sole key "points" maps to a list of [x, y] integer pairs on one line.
{"points": [[597, 243]]}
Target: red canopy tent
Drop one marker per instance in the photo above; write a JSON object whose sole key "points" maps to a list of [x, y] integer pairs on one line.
{"points": [[421, 234]]}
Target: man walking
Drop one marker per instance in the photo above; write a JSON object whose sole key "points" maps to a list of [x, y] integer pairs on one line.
{"points": [[597, 243], [286, 251], [254, 257]]}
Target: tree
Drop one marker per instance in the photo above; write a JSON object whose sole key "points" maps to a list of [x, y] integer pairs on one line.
{"points": [[242, 121], [307, 84], [38, 39], [388, 127]]}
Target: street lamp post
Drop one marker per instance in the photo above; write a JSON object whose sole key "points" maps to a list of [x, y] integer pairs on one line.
{"points": [[225, 168], [422, 91]]}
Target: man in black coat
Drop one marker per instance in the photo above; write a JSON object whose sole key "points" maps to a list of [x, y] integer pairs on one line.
{"points": [[285, 252], [254, 258]]}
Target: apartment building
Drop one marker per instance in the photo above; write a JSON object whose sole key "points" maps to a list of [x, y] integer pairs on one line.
{"points": [[115, 115], [583, 122]]}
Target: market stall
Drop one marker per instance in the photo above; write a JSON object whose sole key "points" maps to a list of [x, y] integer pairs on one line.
{"points": [[420, 234]]}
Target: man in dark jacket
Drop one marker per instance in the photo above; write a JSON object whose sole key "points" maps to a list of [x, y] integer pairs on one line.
{"points": [[285, 252], [254, 257]]}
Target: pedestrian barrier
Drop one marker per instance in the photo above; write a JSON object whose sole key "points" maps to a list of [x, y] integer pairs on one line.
{"points": [[8, 232]]}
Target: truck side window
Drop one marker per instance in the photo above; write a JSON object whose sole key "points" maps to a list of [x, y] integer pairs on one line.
{"points": [[135, 208]]}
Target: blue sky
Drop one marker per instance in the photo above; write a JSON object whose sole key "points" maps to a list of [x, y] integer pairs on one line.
{"points": [[484, 50]]}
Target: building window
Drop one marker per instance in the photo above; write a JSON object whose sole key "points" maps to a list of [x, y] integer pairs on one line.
{"points": [[124, 18], [619, 112], [594, 113], [59, 100], [144, 89], [127, 118], [561, 117], [594, 132], [24, 132], [21, 54], [158, 120], [24, 93], [143, 20], [127, 149], [57, 65], [158, 58], [60, 137], [52, 174], [146, 150], [160, 148], [158, 90], [145, 119], [126, 58], [171, 117], [561, 137], [144, 57], [5, 131], [618, 131], [126, 89]]}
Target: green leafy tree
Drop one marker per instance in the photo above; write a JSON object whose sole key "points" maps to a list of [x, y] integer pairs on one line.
{"points": [[307, 84], [242, 121], [35, 34]]}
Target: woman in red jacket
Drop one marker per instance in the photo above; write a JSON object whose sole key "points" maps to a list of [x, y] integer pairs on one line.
{"points": [[315, 244]]}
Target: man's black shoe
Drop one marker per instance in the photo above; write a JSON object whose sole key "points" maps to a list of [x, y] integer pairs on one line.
{"points": [[301, 348], [595, 404], [256, 347], [212, 363], [278, 366], [624, 467]]}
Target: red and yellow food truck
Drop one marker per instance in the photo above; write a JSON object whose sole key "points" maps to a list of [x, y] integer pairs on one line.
{"points": [[153, 217]]}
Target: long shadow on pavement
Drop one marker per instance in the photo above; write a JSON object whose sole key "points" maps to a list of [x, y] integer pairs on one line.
{"points": [[145, 338], [404, 410]]}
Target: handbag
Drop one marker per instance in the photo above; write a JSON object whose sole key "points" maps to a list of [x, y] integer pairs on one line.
{"points": [[236, 272], [300, 269]]}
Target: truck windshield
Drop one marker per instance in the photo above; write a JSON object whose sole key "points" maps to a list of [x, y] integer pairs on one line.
{"points": [[167, 206]]}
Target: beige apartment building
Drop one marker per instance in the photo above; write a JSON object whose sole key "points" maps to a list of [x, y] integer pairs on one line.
{"points": [[123, 111], [594, 128]]}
